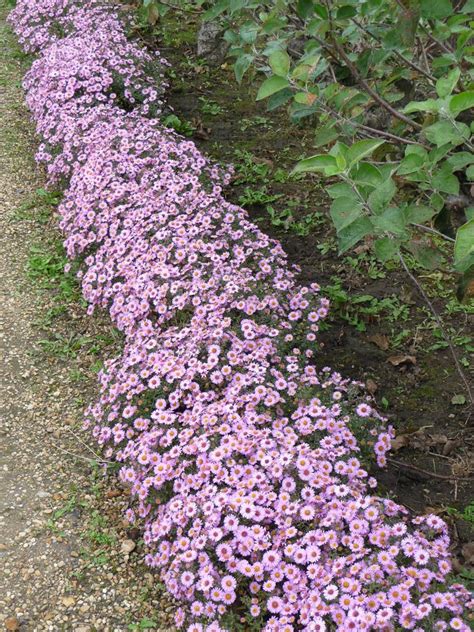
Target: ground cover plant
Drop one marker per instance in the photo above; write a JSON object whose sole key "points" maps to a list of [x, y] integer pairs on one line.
{"points": [[247, 465]]}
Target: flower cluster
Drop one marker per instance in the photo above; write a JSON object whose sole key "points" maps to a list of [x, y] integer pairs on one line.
{"points": [[244, 461]]}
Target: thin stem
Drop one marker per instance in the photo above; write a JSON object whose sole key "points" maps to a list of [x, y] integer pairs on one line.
{"points": [[443, 477], [373, 93], [375, 133], [397, 53], [80, 456], [428, 229], [440, 325]]}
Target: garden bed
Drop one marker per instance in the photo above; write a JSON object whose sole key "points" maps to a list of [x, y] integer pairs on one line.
{"points": [[380, 329], [246, 463]]}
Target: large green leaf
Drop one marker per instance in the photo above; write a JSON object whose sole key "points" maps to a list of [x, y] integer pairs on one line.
{"points": [[464, 246], [319, 162], [418, 213], [390, 221], [216, 10], [345, 12], [280, 63], [349, 236], [445, 181], [344, 211], [411, 164], [430, 105], [361, 149], [341, 189], [444, 132], [386, 248], [271, 86], [366, 174], [462, 101], [427, 256], [325, 135], [435, 9], [445, 85], [460, 159], [382, 196], [242, 64]]}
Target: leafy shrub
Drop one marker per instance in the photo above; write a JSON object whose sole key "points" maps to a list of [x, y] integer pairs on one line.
{"points": [[244, 461], [390, 86]]}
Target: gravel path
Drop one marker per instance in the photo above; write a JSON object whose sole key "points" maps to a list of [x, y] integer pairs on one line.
{"points": [[67, 561]]}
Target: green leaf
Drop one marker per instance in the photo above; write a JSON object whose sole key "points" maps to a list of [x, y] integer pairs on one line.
{"points": [[304, 8], [341, 189], [418, 213], [458, 400], [361, 149], [367, 174], [249, 31], [410, 164], [382, 196], [271, 86], [444, 132], [344, 211], [321, 10], [349, 236], [445, 181], [216, 10], [460, 102], [325, 135], [470, 173], [390, 221], [445, 85], [435, 9], [427, 256], [460, 159], [279, 98], [386, 248], [241, 65], [280, 63], [430, 105], [464, 247], [315, 163], [346, 12]]}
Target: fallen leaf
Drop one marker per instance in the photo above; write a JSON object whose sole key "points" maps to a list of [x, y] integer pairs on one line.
{"points": [[381, 340], [12, 623], [449, 446], [436, 440], [400, 441], [398, 360], [468, 553], [113, 493], [406, 295], [371, 386]]}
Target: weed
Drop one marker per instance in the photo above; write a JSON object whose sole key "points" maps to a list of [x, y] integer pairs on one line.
{"points": [[248, 170], [210, 107], [251, 197], [255, 121], [143, 624], [182, 127]]}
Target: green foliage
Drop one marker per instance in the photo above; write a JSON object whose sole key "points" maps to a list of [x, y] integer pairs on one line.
{"points": [[182, 127], [389, 87]]}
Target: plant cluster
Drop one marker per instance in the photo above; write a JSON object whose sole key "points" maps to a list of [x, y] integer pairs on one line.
{"points": [[246, 463], [390, 89]]}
